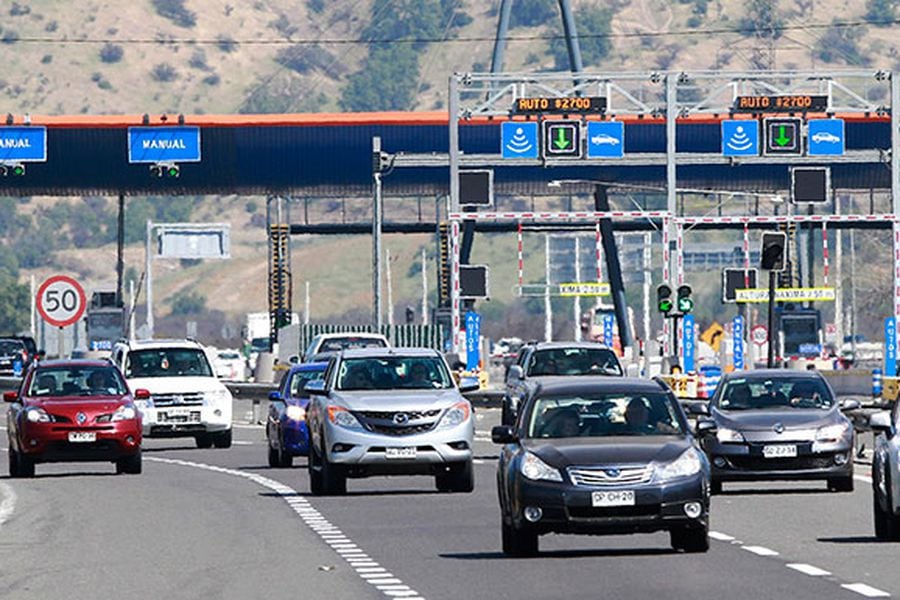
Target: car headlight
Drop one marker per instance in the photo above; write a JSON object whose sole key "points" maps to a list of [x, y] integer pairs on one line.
{"points": [[684, 466], [729, 436], [295, 413], [37, 415], [343, 418], [456, 414], [832, 433], [126, 412], [535, 469]]}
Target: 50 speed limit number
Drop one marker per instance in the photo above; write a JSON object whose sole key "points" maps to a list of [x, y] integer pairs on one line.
{"points": [[61, 301]]}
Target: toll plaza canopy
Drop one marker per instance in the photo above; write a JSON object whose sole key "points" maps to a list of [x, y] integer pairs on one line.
{"points": [[330, 154]]}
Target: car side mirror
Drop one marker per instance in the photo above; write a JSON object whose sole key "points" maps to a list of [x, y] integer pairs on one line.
{"points": [[141, 394], [315, 387], [469, 384], [503, 434], [10, 396], [274, 396], [705, 427], [697, 409], [880, 422], [515, 373], [850, 404]]}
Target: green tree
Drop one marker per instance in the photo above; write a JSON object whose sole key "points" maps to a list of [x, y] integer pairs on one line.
{"points": [[840, 43], [15, 298], [762, 20], [593, 27], [386, 82], [188, 303], [531, 13], [880, 12]]}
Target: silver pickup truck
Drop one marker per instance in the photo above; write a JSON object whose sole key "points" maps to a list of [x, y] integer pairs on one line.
{"points": [[389, 411]]}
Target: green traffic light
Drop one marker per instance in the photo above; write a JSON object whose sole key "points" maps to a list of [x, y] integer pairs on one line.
{"points": [[665, 305], [18, 170], [173, 172], [685, 305]]}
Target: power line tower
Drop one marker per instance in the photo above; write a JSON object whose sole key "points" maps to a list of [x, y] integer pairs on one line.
{"points": [[766, 28]]}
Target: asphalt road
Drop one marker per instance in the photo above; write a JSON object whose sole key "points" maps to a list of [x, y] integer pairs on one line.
{"points": [[221, 524]]}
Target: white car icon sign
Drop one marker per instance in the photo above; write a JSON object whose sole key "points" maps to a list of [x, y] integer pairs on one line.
{"points": [[603, 138], [825, 137]]}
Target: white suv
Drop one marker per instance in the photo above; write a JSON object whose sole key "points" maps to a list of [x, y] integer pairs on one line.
{"points": [[186, 397]]}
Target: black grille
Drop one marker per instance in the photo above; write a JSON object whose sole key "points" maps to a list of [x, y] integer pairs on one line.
{"points": [[613, 512], [396, 430], [389, 415], [799, 463]]}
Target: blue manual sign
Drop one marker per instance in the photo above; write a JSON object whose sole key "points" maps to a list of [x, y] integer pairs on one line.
{"points": [[23, 144], [473, 338], [519, 140], [740, 138], [163, 144], [826, 137], [608, 324], [605, 139]]}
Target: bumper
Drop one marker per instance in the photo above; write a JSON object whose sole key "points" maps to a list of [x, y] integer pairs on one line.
{"points": [[294, 437], [363, 453], [49, 442], [569, 509], [184, 421], [746, 462]]}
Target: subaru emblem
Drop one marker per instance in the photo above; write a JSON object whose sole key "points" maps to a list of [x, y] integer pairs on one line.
{"points": [[779, 428], [401, 418], [81, 418], [613, 473]]}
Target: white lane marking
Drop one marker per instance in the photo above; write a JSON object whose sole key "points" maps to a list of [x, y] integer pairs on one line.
{"points": [[366, 568], [236, 426], [9, 502], [862, 478], [242, 443], [760, 550], [866, 590], [477, 461], [722, 537], [808, 569], [2, 427]]}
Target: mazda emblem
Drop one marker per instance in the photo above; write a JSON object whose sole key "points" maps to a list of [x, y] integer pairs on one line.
{"points": [[778, 428], [81, 418], [401, 418]]}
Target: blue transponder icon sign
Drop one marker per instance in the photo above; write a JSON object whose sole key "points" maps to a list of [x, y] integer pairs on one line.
{"points": [[519, 140], [740, 138]]}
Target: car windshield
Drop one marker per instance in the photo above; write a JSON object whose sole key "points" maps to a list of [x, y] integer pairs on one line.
{"points": [[77, 381], [167, 362], [299, 379], [574, 361], [603, 415], [394, 372], [8, 347], [774, 393]]}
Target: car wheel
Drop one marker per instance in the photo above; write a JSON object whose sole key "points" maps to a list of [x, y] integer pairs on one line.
{"points": [[334, 481], [882, 519], [461, 477], [13, 462], [222, 439], [841, 484], [315, 473], [285, 459], [26, 465], [274, 458], [204, 440], [690, 539], [516, 542], [715, 487], [130, 465]]}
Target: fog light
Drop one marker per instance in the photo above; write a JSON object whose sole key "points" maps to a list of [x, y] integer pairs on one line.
{"points": [[129, 439], [719, 462], [217, 412], [693, 509], [533, 514], [342, 447], [840, 459]]}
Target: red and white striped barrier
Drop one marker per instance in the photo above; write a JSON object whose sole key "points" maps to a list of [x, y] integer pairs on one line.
{"points": [[557, 216]]}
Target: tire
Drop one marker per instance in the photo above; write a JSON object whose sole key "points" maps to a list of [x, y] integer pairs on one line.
{"points": [[518, 543], [274, 457], [222, 439], [841, 484], [715, 487], [204, 440], [690, 539], [130, 465], [462, 478], [316, 486], [13, 463], [334, 481], [285, 460], [25, 465], [882, 519]]}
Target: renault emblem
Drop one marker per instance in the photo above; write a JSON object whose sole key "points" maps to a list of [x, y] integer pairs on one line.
{"points": [[401, 418], [81, 418], [778, 428]]}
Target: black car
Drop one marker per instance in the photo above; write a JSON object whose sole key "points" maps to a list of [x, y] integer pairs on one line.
{"points": [[601, 455], [778, 424], [16, 354]]}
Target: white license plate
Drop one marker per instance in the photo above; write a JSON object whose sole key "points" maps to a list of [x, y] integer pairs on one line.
{"points": [[400, 452], [82, 436], [780, 451], [616, 498]]}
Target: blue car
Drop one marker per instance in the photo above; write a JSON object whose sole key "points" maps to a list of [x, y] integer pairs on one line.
{"points": [[286, 429]]}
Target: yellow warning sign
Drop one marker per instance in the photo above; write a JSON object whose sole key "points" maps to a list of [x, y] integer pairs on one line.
{"points": [[712, 335]]}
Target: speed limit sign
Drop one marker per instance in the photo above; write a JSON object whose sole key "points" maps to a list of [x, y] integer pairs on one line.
{"points": [[61, 301]]}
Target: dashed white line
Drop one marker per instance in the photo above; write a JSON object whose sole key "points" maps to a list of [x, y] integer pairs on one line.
{"points": [[722, 537], [364, 566], [866, 590], [808, 569], [760, 550]]}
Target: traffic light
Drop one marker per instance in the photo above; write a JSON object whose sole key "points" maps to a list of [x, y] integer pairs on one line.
{"points": [[685, 302], [165, 170], [772, 252], [664, 298], [12, 170]]}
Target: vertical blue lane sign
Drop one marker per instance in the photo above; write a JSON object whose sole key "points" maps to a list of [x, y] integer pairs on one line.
{"points": [[473, 335], [688, 345], [737, 348], [608, 329], [890, 347]]}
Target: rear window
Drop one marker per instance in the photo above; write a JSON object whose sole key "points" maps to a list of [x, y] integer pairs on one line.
{"points": [[11, 346], [336, 344], [574, 361]]}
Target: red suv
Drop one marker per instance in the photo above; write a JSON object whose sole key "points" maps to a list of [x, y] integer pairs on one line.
{"points": [[73, 411]]}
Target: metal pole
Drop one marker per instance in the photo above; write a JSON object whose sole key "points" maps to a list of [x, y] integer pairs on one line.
{"points": [[548, 307], [576, 301], [131, 311], [671, 179], [838, 284], [424, 291], [500, 40], [895, 177], [60, 342], [390, 292], [648, 239], [32, 307], [376, 236], [306, 303], [120, 252], [770, 362], [571, 33], [853, 292], [148, 268], [453, 111]]}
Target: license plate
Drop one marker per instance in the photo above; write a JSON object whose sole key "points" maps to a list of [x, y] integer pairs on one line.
{"points": [[400, 452], [82, 436], [616, 498], [780, 451]]}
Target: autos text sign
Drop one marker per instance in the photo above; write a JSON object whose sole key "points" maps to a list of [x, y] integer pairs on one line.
{"points": [[473, 335], [163, 144], [23, 144], [890, 347]]}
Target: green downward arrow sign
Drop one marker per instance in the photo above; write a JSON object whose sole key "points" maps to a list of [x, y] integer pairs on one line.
{"points": [[561, 140], [782, 139]]}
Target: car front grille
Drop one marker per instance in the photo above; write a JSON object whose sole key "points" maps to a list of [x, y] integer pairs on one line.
{"points": [[189, 399], [394, 430], [799, 463], [387, 423], [610, 476], [412, 415]]}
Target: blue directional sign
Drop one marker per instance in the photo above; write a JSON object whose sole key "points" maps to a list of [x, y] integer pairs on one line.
{"points": [[737, 339], [688, 331], [519, 140], [890, 347], [23, 144], [740, 138], [826, 137], [608, 323], [163, 144], [473, 337], [605, 139]]}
